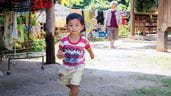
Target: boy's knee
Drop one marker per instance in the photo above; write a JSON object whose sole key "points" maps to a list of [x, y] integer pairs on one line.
{"points": [[74, 86]]}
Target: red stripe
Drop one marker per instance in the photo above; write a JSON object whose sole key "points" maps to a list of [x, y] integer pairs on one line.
{"points": [[82, 39], [73, 64]]}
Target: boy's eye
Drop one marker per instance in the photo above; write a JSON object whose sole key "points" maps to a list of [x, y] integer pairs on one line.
{"points": [[70, 25]]}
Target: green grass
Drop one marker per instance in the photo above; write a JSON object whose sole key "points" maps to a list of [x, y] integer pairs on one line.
{"points": [[164, 90], [151, 91]]}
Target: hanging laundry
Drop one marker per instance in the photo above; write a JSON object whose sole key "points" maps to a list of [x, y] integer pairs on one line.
{"points": [[41, 16], [36, 31], [100, 17], [88, 21], [48, 4], [37, 4], [123, 21], [14, 34], [8, 29]]}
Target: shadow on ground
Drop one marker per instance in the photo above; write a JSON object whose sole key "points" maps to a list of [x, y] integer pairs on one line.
{"points": [[28, 79]]}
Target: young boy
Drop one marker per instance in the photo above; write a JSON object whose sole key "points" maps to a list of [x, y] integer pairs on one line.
{"points": [[71, 50]]}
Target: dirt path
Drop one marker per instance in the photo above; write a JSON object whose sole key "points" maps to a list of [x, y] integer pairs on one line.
{"points": [[114, 72]]}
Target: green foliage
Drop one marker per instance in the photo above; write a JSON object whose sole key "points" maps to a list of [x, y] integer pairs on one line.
{"points": [[122, 7], [82, 5], [146, 5], [100, 4], [70, 3], [97, 4], [2, 19], [124, 31], [38, 45], [21, 20]]}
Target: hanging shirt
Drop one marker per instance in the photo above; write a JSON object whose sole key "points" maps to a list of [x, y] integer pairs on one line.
{"points": [[48, 4], [113, 22], [37, 4]]}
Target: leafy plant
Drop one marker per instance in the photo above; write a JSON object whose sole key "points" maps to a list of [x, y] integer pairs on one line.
{"points": [[2, 20], [38, 45], [124, 31]]}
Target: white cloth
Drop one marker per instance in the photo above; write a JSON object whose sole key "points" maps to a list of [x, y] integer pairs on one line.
{"points": [[10, 32], [14, 34], [7, 30]]}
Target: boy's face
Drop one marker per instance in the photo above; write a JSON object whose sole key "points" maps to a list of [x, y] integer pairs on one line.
{"points": [[74, 26]]}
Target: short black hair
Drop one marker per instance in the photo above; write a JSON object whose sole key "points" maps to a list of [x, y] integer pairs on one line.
{"points": [[72, 16]]}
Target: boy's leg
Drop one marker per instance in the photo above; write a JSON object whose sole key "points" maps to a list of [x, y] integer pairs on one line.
{"points": [[75, 82], [74, 90]]}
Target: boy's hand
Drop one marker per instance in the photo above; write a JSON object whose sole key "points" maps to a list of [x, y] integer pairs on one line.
{"points": [[60, 54], [92, 55]]}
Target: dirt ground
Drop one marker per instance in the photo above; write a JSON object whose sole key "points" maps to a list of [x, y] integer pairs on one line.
{"points": [[113, 72]]}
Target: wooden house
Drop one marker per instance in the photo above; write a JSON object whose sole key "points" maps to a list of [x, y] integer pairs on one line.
{"points": [[163, 23]]}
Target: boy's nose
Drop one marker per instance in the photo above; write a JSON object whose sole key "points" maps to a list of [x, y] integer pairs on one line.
{"points": [[74, 28]]}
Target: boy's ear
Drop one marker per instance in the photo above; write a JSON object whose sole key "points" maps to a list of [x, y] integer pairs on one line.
{"points": [[82, 27]]}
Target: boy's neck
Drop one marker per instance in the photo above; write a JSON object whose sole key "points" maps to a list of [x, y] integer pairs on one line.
{"points": [[74, 36]]}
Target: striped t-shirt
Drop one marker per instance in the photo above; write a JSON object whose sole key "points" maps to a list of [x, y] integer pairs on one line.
{"points": [[74, 52]]}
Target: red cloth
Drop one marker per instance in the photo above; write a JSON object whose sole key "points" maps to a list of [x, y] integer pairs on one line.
{"points": [[37, 4], [123, 21], [48, 4]]}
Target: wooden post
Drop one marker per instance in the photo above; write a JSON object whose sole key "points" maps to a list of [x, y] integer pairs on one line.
{"points": [[132, 19], [164, 24], [50, 28], [162, 41]]}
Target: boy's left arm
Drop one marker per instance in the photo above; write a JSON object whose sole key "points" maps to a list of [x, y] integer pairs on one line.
{"points": [[90, 51]]}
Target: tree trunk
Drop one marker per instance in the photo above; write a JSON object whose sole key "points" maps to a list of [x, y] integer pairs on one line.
{"points": [[50, 43]]}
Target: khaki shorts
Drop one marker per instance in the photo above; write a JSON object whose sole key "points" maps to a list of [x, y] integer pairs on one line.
{"points": [[112, 33], [72, 77]]}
